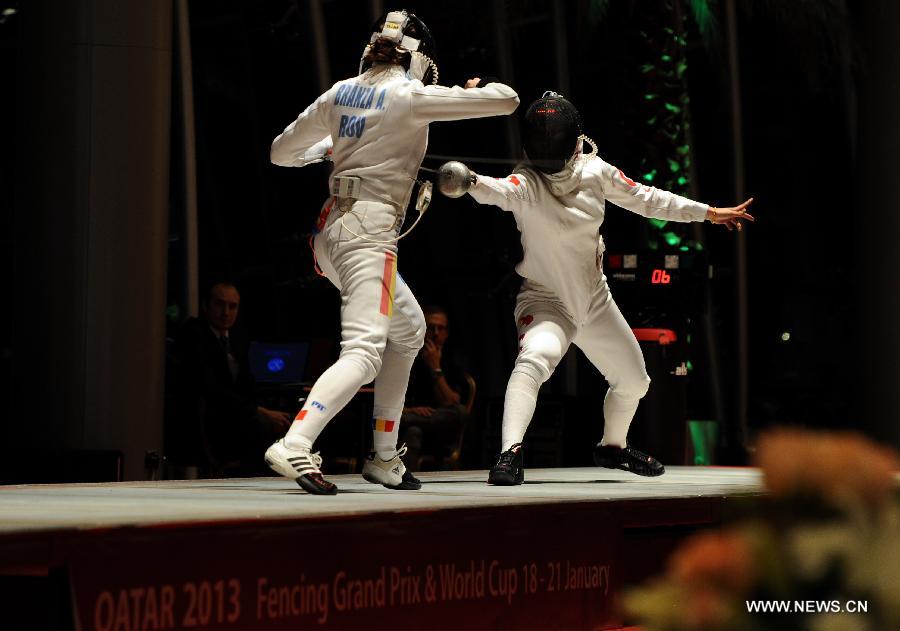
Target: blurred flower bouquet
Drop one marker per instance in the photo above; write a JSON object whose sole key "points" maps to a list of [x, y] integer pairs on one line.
{"points": [[821, 553]]}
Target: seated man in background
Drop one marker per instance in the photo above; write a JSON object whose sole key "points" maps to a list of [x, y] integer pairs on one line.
{"points": [[215, 374], [436, 399]]}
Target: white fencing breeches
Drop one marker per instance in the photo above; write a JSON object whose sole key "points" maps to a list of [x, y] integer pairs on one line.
{"points": [[546, 329], [382, 325]]}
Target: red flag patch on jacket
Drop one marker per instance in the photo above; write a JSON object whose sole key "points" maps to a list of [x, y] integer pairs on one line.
{"points": [[627, 179]]}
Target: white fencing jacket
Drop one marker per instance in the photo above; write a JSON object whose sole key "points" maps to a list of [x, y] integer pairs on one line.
{"points": [[376, 125], [559, 218]]}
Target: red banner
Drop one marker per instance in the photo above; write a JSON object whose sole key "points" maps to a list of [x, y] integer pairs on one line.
{"points": [[540, 571], [534, 567]]}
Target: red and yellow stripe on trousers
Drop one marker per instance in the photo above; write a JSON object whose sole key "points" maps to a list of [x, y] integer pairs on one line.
{"points": [[383, 425], [388, 284]]}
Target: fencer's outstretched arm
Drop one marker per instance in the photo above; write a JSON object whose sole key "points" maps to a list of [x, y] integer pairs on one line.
{"points": [[622, 191], [439, 103], [306, 140], [648, 201], [503, 193], [656, 203]]}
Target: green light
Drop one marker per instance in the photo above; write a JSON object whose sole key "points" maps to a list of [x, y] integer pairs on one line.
{"points": [[673, 108], [649, 176], [650, 97], [674, 167], [684, 248], [690, 366], [671, 238], [659, 224], [666, 58], [682, 180], [704, 17]]}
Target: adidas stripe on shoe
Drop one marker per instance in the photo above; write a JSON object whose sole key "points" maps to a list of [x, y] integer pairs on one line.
{"points": [[299, 465]]}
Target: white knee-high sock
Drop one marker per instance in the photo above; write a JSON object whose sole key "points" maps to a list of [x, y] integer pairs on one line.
{"points": [[390, 392], [331, 392], [618, 411], [518, 407]]}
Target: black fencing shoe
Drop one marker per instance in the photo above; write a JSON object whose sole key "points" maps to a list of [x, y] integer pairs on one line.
{"points": [[627, 459], [509, 470], [409, 483]]}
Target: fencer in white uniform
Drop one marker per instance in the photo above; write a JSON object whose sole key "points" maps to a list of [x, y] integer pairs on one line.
{"points": [[558, 198], [375, 128]]}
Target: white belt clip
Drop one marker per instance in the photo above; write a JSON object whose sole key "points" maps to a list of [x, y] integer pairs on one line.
{"points": [[347, 186]]}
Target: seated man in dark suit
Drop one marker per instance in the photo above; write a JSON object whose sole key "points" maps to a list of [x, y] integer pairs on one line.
{"points": [[216, 375], [435, 412]]}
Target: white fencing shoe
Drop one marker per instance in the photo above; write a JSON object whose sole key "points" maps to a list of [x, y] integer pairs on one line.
{"points": [[390, 473], [299, 465]]}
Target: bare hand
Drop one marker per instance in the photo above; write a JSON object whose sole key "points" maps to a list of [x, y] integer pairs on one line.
{"points": [[420, 411], [473, 83], [732, 217], [431, 355]]}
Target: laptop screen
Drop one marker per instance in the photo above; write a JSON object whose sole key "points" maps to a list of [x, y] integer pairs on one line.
{"points": [[278, 363]]}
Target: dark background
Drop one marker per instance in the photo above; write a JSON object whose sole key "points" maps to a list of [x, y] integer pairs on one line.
{"points": [[93, 218]]}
